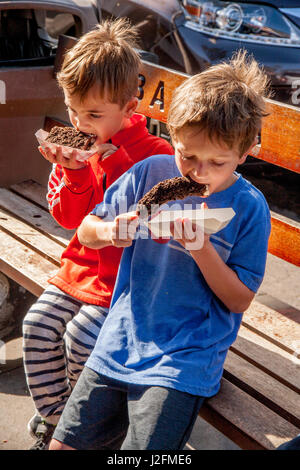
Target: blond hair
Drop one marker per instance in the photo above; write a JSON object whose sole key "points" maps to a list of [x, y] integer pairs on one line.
{"points": [[226, 101], [105, 57]]}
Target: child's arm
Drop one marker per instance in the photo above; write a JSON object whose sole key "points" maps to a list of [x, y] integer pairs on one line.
{"points": [[221, 279], [71, 195], [95, 233], [71, 189]]}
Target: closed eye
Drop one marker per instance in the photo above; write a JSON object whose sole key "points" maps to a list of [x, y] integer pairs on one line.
{"points": [[183, 157], [95, 116]]}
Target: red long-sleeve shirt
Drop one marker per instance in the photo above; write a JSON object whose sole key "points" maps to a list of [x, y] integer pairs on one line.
{"points": [[86, 274]]}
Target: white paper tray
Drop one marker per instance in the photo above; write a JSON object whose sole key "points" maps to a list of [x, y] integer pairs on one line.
{"points": [[210, 220], [81, 156]]}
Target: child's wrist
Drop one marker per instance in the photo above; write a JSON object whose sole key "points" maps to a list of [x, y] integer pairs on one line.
{"points": [[205, 249], [109, 232]]}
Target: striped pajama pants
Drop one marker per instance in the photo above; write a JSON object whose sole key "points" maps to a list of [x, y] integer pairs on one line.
{"points": [[59, 333]]}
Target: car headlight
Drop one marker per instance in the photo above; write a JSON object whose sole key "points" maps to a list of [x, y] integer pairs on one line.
{"points": [[241, 22]]}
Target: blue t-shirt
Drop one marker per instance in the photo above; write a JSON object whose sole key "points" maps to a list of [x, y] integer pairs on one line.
{"points": [[165, 326]]}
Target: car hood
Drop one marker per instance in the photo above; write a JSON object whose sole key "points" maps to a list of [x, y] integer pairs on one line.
{"points": [[276, 3]]}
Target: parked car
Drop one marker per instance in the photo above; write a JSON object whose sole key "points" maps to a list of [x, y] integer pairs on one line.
{"points": [[190, 35]]}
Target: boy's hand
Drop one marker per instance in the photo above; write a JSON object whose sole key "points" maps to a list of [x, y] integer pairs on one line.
{"points": [[123, 229], [188, 234], [65, 158], [105, 150], [71, 158]]}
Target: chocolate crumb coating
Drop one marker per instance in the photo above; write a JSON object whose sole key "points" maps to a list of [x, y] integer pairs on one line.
{"points": [[172, 189], [70, 137]]}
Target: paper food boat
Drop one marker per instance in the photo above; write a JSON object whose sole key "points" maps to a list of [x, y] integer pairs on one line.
{"points": [[81, 155], [210, 220]]}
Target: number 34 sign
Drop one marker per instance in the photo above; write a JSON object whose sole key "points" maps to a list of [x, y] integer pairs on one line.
{"points": [[2, 92], [155, 90]]}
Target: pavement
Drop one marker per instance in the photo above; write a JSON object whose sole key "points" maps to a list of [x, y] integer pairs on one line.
{"points": [[16, 407]]}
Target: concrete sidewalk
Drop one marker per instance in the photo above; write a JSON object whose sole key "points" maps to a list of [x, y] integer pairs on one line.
{"points": [[16, 407]]}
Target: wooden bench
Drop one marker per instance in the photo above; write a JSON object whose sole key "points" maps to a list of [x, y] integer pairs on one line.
{"points": [[258, 404]]}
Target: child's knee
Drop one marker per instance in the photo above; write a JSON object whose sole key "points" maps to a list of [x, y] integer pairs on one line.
{"points": [[29, 323], [79, 341], [36, 324]]}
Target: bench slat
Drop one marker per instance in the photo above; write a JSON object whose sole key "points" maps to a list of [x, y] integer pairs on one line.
{"points": [[24, 266], [32, 191], [280, 141], [263, 387], [280, 137], [33, 215], [26, 234], [282, 330], [250, 424], [284, 241], [156, 88], [268, 357]]}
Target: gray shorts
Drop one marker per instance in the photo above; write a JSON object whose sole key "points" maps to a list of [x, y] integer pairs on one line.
{"points": [[104, 413]]}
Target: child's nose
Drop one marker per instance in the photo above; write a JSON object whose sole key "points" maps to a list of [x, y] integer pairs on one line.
{"points": [[79, 122], [76, 122], [201, 168]]}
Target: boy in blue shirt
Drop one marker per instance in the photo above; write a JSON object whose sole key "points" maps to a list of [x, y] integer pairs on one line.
{"points": [[177, 306]]}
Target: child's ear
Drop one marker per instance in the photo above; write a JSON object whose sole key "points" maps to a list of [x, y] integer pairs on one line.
{"points": [[131, 106], [244, 156]]}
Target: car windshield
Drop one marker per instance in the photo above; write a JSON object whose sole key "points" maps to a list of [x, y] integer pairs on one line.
{"points": [[27, 34]]}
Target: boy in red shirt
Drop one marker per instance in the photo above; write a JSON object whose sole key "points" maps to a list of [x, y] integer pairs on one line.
{"points": [[99, 78]]}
